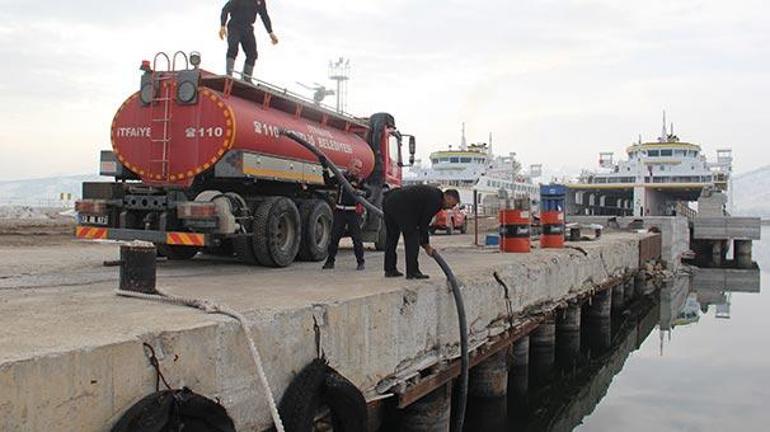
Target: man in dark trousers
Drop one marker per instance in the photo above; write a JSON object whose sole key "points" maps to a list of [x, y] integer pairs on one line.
{"points": [[240, 31], [347, 216], [409, 211]]}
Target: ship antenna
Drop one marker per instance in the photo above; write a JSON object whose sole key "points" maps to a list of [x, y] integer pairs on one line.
{"points": [[463, 142], [663, 137], [490, 144]]}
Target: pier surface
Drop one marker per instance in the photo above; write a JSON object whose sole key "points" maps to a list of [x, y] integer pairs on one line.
{"points": [[71, 355]]}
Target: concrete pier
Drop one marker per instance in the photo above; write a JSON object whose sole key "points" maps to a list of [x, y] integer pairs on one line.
{"points": [[742, 253], [71, 356]]}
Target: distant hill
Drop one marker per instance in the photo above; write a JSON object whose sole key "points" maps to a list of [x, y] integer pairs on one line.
{"points": [[42, 192], [751, 193]]}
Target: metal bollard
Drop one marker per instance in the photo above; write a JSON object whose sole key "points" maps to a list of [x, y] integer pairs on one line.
{"points": [[137, 267]]}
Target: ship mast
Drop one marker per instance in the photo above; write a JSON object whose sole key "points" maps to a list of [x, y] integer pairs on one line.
{"points": [[463, 142]]}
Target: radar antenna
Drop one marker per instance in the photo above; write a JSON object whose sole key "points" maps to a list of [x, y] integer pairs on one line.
{"points": [[319, 91]]}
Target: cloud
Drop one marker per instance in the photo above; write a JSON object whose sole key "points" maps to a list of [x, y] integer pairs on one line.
{"points": [[555, 80]]}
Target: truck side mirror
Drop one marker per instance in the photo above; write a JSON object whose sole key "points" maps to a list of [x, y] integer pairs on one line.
{"points": [[412, 149]]}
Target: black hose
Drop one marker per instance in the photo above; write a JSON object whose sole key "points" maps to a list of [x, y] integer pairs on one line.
{"points": [[329, 164], [462, 392]]}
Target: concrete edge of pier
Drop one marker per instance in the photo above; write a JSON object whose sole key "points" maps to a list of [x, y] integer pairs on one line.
{"points": [[396, 343]]}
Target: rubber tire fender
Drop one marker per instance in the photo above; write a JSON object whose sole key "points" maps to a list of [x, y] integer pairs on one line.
{"points": [[161, 411], [266, 246], [319, 384], [310, 212]]}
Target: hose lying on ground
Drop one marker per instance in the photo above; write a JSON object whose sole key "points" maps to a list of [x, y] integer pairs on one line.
{"points": [[458, 297]]}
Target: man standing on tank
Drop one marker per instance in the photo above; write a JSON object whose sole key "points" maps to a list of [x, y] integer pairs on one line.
{"points": [[240, 31], [408, 212], [347, 215]]}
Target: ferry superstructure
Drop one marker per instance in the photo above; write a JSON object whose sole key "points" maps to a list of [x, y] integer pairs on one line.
{"points": [[474, 168], [659, 178]]}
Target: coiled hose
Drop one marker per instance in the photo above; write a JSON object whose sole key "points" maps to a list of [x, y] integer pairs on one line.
{"points": [[462, 393]]}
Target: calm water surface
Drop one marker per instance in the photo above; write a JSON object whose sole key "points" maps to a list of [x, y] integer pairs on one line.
{"points": [[692, 357]]}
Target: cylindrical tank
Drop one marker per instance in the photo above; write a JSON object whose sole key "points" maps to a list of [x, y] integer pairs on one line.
{"points": [[515, 231], [166, 143], [552, 198]]}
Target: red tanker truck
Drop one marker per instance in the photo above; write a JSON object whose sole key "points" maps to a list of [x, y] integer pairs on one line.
{"points": [[200, 164]]}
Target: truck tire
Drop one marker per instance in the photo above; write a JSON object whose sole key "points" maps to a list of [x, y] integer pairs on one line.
{"points": [[277, 232], [316, 218], [319, 385], [177, 253]]}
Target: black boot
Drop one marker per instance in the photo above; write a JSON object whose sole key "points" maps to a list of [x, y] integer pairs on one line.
{"points": [[328, 266], [361, 266], [393, 274]]}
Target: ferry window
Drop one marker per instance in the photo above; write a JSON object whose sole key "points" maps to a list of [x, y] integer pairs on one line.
{"points": [[435, 161], [653, 153], [444, 160], [662, 167], [667, 152], [681, 152], [465, 160], [454, 160]]}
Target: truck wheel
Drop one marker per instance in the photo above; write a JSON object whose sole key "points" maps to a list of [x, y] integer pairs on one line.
{"points": [[450, 228], [177, 253], [316, 217], [277, 232]]}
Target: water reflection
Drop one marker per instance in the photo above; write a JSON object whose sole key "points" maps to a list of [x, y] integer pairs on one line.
{"points": [[561, 391]]}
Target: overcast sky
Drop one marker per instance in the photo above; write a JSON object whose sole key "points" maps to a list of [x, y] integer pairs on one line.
{"points": [[556, 81]]}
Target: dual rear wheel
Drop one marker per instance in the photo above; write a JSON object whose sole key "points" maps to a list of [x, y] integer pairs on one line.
{"points": [[281, 232]]}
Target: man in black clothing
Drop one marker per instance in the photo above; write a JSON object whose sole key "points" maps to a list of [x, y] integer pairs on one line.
{"points": [[240, 31], [409, 211], [347, 216]]}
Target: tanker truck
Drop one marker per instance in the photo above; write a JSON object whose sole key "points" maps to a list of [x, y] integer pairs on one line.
{"points": [[200, 164]]}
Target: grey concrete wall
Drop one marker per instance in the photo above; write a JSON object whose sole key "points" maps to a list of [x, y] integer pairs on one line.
{"points": [[75, 361], [675, 232]]}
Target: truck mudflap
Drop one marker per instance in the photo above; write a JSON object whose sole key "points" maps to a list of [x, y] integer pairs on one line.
{"points": [[170, 238]]}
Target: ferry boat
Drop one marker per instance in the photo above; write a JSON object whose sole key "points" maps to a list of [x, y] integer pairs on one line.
{"points": [[474, 168], [659, 178]]}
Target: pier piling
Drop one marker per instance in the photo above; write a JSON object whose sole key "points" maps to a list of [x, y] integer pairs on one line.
{"points": [[490, 378], [543, 352], [568, 335], [429, 414]]}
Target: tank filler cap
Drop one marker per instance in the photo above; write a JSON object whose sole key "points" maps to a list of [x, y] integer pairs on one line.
{"points": [[195, 59]]}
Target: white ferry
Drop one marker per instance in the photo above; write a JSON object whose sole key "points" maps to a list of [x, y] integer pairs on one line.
{"points": [[659, 178], [474, 168]]}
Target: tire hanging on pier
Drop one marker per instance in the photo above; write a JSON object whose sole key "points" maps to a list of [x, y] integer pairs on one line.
{"points": [[318, 386], [175, 410]]}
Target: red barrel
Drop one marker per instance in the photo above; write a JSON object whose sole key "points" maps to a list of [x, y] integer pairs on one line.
{"points": [[553, 230], [515, 231]]}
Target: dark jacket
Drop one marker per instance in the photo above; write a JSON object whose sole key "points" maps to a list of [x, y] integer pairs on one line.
{"points": [[243, 13], [345, 201], [414, 207]]}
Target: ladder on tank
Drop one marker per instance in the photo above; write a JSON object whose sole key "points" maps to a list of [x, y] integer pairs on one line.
{"points": [[164, 82], [161, 99]]}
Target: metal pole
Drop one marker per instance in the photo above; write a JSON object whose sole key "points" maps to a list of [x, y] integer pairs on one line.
{"points": [[476, 215]]}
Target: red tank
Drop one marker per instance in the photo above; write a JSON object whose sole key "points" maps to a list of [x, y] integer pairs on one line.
{"points": [[168, 144]]}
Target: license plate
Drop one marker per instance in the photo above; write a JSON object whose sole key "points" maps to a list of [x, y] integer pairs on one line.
{"points": [[93, 220]]}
